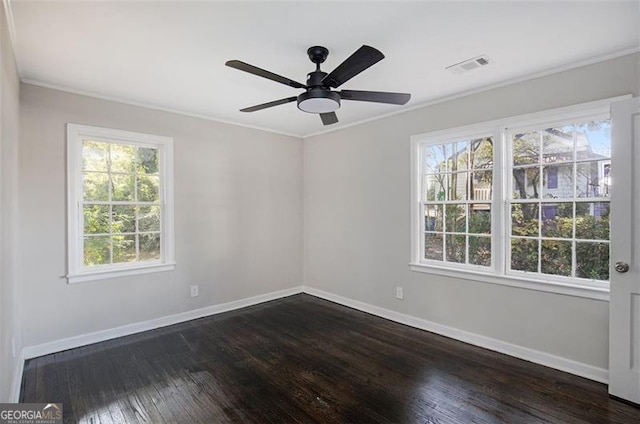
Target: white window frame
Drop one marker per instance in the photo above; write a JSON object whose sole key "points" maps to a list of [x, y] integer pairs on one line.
{"points": [[77, 271], [499, 273]]}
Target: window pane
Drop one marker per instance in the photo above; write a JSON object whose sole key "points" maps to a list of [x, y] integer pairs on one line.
{"points": [[592, 221], [95, 186], [526, 148], [592, 179], [480, 218], [123, 219], [556, 257], [124, 248], [524, 255], [94, 156], [147, 160], [480, 251], [592, 260], [557, 220], [457, 184], [557, 145], [456, 248], [526, 183], [433, 246], [558, 181], [457, 156], [593, 140], [149, 247], [524, 219], [434, 187], [123, 158], [96, 219], [434, 159], [97, 250], [433, 217], [122, 186], [148, 188], [482, 153], [456, 218], [149, 218], [481, 185]]}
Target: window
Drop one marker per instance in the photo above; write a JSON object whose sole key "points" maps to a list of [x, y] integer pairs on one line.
{"points": [[522, 201], [120, 212], [456, 199], [562, 228]]}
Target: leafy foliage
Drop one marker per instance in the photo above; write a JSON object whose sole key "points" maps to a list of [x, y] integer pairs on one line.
{"points": [[124, 223], [591, 223]]}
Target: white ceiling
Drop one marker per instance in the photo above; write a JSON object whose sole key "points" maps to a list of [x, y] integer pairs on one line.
{"points": [[171, 55]]}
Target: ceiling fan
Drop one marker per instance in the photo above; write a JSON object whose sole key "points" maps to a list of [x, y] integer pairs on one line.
{"points": [[318, 96]]}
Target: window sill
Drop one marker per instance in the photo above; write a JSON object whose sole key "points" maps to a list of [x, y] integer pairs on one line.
{"points": [[589, 292], [119, 272]]}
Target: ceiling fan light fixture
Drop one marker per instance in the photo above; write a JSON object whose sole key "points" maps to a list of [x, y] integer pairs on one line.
{"points": [[318, 101]]}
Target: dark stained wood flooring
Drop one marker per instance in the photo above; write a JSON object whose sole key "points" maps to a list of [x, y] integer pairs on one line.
{"points": [[305, 360]]}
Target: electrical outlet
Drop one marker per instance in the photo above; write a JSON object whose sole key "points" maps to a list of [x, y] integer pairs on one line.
{"points": [[399, 293], [194, 290]]}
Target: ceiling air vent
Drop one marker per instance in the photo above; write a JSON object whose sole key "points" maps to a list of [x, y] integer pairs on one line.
{"points": [[468, 65]]}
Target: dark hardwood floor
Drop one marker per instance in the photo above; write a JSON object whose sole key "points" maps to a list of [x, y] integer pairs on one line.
{"points": [[306, 360]]}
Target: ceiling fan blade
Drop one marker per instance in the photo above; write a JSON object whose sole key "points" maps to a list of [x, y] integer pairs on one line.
{"points": [[264, 74], [329, 118], [375, 96], [362, 59], [270, 104]]}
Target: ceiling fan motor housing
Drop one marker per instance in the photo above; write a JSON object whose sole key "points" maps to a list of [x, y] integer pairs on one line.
{"points": [[317, 98]]}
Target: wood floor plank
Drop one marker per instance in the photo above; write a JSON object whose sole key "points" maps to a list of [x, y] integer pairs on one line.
{"points": [[305, 360]]}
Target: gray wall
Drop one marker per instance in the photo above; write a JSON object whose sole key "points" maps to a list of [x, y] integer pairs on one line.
{"points": [[357, 219], [9, 95], [238, 217]]}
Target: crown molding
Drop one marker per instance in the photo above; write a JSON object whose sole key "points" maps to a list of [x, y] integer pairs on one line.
{"points": [[116, 99], [11, 28]]}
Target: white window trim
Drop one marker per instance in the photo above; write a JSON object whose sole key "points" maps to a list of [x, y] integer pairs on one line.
{"points": [[76, 272], [498, 273]]}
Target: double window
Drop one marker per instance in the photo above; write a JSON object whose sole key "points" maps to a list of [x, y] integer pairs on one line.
{"points": [[120, 203], [520, 200]]}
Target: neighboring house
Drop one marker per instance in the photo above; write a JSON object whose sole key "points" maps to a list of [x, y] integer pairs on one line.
{"points": [[592, 174]]}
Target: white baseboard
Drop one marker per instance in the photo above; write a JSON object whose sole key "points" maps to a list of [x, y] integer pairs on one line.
{"points": [[138, 327], [573, 367], [543, 358], [17, 379]]}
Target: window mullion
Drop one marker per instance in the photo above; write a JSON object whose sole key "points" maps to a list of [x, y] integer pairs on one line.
{"points": [[499, 206], [539, 198]]}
